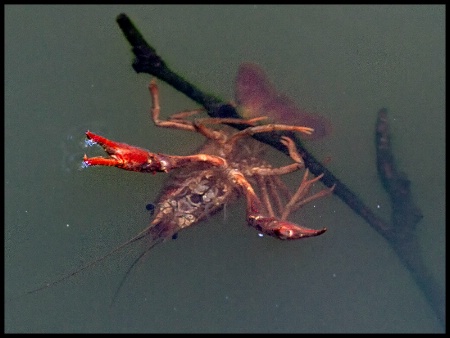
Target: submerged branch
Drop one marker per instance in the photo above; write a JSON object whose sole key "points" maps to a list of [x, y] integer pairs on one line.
{"points": [[400, 234], [406, 215]]}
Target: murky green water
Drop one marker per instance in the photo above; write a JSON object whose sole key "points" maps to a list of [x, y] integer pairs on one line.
{"points": [[68, 69]]}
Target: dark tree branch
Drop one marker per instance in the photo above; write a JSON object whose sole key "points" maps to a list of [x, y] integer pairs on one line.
{"points": [[406, 215], [400, 234]]}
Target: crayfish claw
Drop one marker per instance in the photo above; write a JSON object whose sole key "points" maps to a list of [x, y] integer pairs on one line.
{"points": [[282, 229]]}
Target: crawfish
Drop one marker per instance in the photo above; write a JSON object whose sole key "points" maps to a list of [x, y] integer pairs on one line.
{"points": [[227, 166], [222, 170]]}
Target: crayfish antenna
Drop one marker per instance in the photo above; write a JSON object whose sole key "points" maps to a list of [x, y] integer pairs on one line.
{"points": [[122, 282], [138, 237]]}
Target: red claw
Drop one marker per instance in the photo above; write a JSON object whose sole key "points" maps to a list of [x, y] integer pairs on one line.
{"points": [[132, 158], [125, 156], [282, 229]]}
